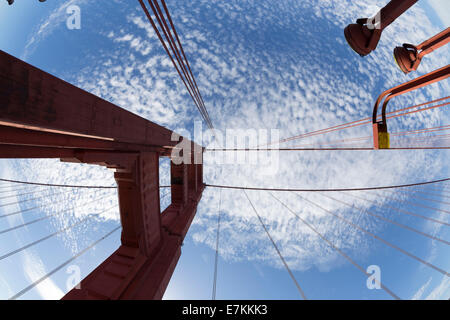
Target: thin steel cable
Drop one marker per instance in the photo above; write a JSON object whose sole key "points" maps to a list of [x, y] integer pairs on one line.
{"points": [[378, 238], [185, 58], [216, 260], [420, 131], [34, 284], [421, 205], [64, 185], [331, 149], [52, 235], [155, 28], [434, 137], [431, 194], [441, 190], [437, 191], [167, 32], [169, 38], [353, 123], [59, 185], [51, 215], [328, 190], [37, 207], [37, 198], [398, 224], [401, 210], [6, 185], [421, 141], [333, 142], [276, 248], [23, 194], [19, 188], [291, 149], [419, 110], [165, 195], [337, 249]]}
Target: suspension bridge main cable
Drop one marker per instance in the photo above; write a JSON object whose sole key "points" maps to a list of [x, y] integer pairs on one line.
{"points": [[185, 74], [59, 185], [336, 248], [169, 38], [364, 121], [276, 248], [65, 185], [185, 58], [185, 67], [34, 284]]}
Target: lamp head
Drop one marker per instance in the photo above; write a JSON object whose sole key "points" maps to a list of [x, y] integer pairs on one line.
{"points": [[406, 58], [360, 38]]}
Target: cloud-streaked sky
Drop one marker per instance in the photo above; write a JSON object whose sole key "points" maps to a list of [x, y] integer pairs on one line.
{"points": [[259, 65]]}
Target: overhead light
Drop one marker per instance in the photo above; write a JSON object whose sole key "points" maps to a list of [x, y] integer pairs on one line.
{"points": [[408, 56], [363, 36], [360, 38]]}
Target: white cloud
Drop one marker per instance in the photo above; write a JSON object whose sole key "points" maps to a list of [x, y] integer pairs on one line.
{"points": [[441, 291], [418, 295], [32, 265], [49, 24], [35, 270], [269, 71]]}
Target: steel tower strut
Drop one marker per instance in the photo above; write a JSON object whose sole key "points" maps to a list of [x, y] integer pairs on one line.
{"points": [[42, 116]]}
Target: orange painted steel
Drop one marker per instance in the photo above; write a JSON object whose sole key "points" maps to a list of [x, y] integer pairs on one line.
{"points": [[45, 117], [356, 123], [420, 82]]}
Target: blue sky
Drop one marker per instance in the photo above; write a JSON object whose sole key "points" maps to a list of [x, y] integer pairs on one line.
{"points": [[259, 65]]}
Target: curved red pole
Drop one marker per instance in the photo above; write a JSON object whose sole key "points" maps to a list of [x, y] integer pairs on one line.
{"points": [[381, 126]]}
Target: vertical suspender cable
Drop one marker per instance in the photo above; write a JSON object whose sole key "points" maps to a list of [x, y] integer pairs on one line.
{"points": [[276, 248], [336, 248], [217, 249]]}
